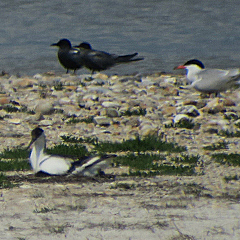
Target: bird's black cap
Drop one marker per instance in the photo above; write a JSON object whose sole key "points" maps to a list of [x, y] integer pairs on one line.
{"points": [[36, 133], [63, 43], [194, 61]]}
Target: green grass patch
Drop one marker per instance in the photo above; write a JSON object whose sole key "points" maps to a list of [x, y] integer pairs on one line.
{"points": [[135, 112], [58, 86], [217, 146], [44, 210], [73, 139], [149, 143], [17, 159], [123, 185], [10, 108], [152, 164], [15, 153], [4, 182], [229, 134], [231, 178], [183, 124], [74, 120], [232, 159], [73, 150], [14, 165]]}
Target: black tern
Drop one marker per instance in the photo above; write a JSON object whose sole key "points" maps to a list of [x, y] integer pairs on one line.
{"points": [[99, 60], [69, 57]]}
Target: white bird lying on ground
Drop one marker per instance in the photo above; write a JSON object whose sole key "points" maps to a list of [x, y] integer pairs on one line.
{"points": [[60, 165], [210, 80]]}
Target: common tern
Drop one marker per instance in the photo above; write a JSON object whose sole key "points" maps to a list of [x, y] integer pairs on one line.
{"points": [[99, 60], [60, 165], [208, 80], [69, 57]]}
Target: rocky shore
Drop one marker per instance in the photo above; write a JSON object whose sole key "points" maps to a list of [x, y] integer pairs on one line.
{"points": [[113, 108], [51, 101]]}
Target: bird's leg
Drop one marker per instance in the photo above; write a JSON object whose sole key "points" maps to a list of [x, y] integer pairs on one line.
{"points": [[90, 78], [67, 71]]}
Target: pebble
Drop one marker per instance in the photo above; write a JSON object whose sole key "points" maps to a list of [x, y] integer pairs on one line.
{"points": [[108, 104], [44, 107], [181, 118], [107, 99], [102, 121], [189, 110], [111, 112]]}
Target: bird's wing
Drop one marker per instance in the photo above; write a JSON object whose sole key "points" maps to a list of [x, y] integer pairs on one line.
{"points": [[91, 166], [215, 80], [99, 60], [217, 75]]}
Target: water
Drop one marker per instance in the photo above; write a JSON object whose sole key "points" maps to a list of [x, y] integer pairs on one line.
{"points": [[165, 32]]}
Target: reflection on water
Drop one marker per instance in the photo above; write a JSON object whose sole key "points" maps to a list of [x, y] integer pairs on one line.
{"points": [[165, 32]]}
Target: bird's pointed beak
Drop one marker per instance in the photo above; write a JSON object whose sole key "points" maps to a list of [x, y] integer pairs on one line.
{"points": [[30, 144], [180, 67], [54, 44]]}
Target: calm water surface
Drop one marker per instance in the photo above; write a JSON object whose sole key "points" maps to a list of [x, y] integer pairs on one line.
{"points": [[165, 32]]}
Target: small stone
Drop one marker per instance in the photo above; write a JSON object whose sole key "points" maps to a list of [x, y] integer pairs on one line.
{"points": [[237, 123], [169, 111], [133, 122], [148, 130], [98, 82], [231, 115], [38, 76], [108, 104], [46, 123], [190, 110], [44, 107], [4, 100], [111, 112], [65, 101], [190, 102], [181, 118], [70, 88], [214, 106], [92, 97], [228, 103], [15, 121], [100, 76], [102, 121], [25, 83]]}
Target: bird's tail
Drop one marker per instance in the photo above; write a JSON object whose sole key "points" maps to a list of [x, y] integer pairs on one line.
{"points": [[91, 166], [127, 58]]}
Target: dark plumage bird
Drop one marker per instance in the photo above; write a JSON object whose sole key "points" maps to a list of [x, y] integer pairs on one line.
{"points": [[69, 57], [99, 60]]}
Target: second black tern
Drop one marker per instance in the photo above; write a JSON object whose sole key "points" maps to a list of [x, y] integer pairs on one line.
{"points": [[96, 60]]}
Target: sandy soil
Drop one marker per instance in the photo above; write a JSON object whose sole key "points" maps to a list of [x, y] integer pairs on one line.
{"points": [[120, 208]]}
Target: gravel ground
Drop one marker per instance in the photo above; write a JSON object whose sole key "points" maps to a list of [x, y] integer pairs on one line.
{"points": [[203, 206]]}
